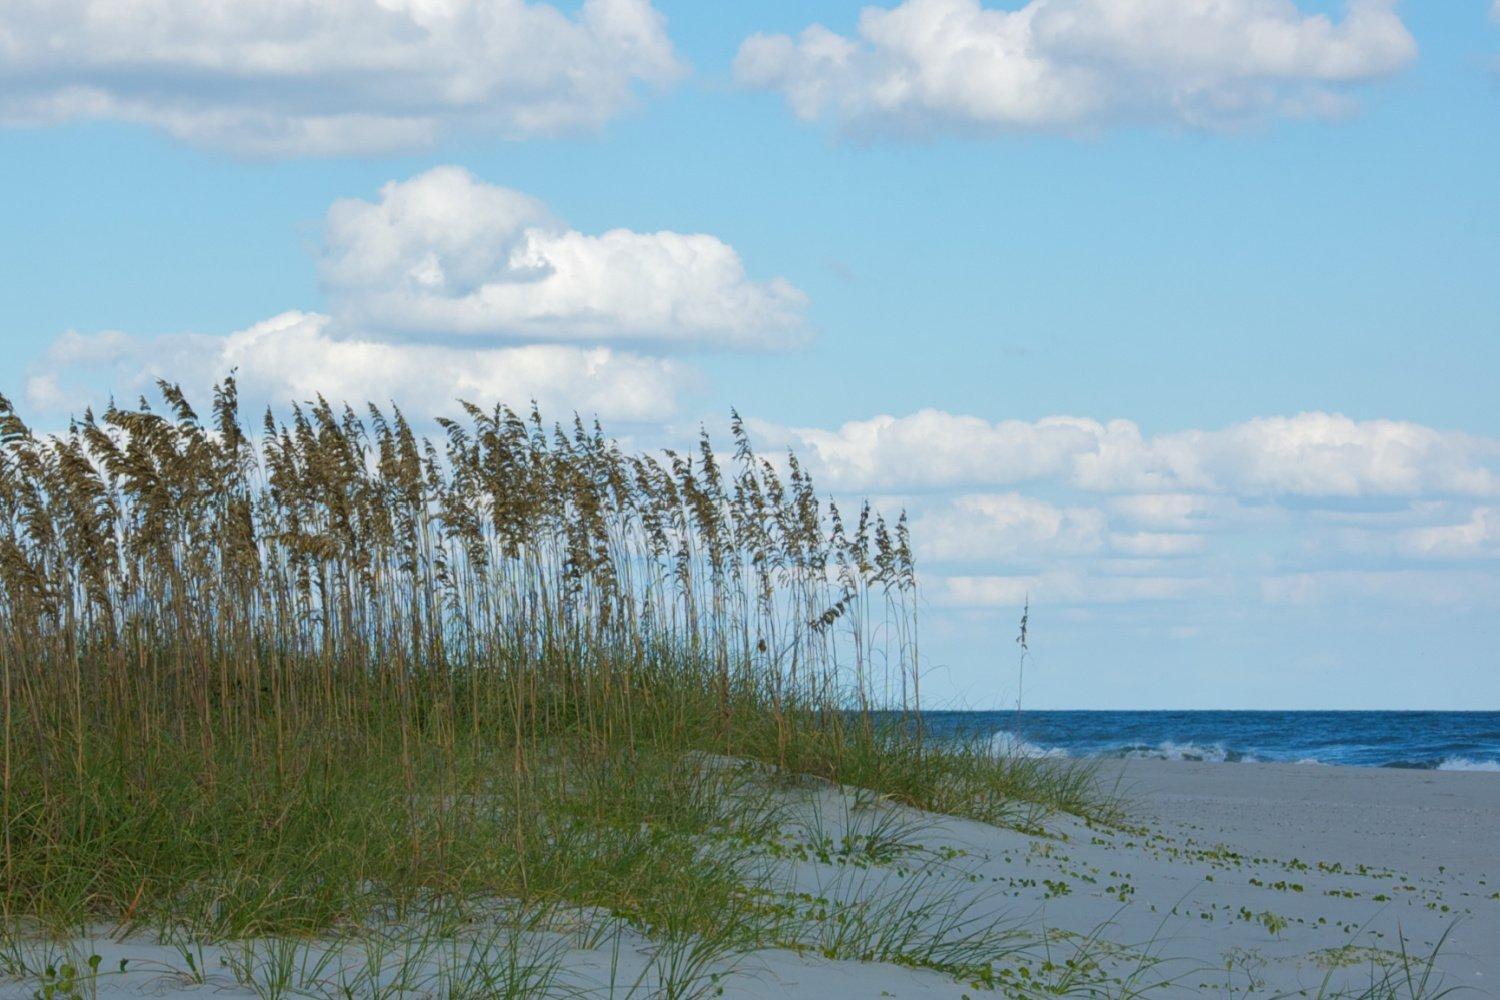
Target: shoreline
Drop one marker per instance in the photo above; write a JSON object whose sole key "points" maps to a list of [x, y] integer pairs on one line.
{"points": [[1457, 741]]}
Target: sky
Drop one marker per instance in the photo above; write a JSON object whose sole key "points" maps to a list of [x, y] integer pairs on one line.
{"points": [[1178, 318]]}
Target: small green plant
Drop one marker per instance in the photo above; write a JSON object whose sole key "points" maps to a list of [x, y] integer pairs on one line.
{"points": [[1272, 922], [67, 981]]}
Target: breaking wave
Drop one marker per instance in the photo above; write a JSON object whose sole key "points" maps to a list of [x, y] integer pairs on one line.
{"points": [[1427, 741], [1004, 744], [1468, 764]]}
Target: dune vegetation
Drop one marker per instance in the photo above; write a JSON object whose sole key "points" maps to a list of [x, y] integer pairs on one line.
{"points": [[335, 673]]}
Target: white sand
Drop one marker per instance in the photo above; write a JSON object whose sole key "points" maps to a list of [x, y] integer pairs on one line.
{"points": [[1234, 879]]}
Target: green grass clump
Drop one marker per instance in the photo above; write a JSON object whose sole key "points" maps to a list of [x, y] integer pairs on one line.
{"points": [[336, 675]]}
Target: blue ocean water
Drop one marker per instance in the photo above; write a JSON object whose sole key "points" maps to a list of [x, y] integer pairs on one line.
{"points": [[1454, 741]]}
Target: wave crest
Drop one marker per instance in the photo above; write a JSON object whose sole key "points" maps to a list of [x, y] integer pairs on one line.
{"points": [[1468, 764], [1008, 744]]}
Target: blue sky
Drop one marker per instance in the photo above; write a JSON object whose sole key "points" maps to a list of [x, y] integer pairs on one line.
{"points": [[1269, 245]]}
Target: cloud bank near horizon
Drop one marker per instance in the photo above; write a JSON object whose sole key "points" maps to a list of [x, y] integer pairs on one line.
{"points": [[1293, 511], [1308, 454]]}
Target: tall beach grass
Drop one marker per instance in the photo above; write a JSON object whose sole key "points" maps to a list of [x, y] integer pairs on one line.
{"points": [[333, 674]]}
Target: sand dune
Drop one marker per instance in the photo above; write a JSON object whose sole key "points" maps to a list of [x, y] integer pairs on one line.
{"points": [[1241, 879]]}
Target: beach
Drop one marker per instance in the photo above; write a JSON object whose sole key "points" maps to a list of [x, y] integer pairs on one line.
{"points": [[655, 500], [1221, 879], [1263, 879], [1345, 856]]}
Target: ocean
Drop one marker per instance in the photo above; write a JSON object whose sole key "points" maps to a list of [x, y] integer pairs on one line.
{"points": [[1444, 741]]}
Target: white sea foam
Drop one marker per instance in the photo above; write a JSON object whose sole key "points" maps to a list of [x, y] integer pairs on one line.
{"points": [[1006, 744], [1468, 764], [1169, 750]]}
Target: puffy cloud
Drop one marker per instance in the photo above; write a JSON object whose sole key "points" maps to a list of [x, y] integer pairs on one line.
{"points": [[1172, 511], [447, 288], [934, 449], [446, 253], [929, 65], [983, 527], [1476, 538], [1310, 454], [295, 356], [999, 526], [328, 77]]}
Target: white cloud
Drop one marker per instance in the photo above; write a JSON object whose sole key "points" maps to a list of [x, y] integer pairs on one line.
{"points": [[295, 356], [1156, 544], [929, 65], [329, 77], [446, 253], [934, 449], [1476, 538], [1172, 511], [1003, 526], [442, 256], [1310, 454], [991, 526], [1065, 587]]}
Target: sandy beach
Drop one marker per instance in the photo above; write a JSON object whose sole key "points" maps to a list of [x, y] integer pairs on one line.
{"points": [[1345, 856], [1263, 879], [1227, 879]]}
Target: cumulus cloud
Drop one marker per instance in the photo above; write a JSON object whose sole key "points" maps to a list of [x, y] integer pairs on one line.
{"points": [[329, 77], [444, 253], [1309, 454], [989, 527], [1004, 526], [1172, 511], [1476, 538], [446, 287], [935, 449], [296, 356], [930, 65]]}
